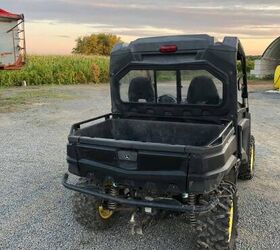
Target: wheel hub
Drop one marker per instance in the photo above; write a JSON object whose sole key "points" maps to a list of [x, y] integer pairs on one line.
{"points": [[104, 213], [230, 222], [252, 159]]}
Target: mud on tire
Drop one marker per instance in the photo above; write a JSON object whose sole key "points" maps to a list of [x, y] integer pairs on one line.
{"points": [[217, 230], [86, 212]]}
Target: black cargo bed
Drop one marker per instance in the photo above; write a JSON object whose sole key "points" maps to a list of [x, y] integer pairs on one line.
{"points": [[173, 133]]}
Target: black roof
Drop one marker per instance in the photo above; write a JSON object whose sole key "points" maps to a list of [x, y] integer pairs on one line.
{"points": [[184, 42], [143, 48]]}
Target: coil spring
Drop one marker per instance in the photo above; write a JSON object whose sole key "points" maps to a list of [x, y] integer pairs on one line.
{"points": [[114, 192], [191, 201]]}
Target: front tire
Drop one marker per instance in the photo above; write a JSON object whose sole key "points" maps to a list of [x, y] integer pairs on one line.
{"points": [[217, 230], [246, 170]]}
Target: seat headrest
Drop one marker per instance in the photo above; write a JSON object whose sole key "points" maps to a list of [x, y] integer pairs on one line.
{"points": [[141, 88], [202, 90]]}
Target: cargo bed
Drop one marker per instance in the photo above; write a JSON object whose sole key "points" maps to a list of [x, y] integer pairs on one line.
{"points": [[173, 133], [141, 152]]}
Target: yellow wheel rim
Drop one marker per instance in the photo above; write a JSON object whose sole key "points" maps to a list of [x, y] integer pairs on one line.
{"points": [[230, 222], [252, 159], [104, 213]]}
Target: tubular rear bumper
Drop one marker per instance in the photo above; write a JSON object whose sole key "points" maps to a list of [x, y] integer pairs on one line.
{"points": [[163, 204]]}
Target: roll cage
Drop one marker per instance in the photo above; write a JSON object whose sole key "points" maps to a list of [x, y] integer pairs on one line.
{"points": [[219, 58]]}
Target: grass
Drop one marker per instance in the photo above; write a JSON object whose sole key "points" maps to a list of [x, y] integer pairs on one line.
{"points": [[58, 70], [15, 99]]}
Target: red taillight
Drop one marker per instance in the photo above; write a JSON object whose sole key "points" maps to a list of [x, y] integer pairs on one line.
{"points": [[168, 48]]}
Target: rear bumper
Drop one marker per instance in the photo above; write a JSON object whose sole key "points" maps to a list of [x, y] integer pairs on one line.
{"points": [[171, 205]]}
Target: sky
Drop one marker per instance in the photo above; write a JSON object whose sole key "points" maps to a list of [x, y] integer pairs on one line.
{"points": [[52, 26]]}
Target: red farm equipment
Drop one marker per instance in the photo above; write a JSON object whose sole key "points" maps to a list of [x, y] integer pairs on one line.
{"points": [[12, 41]]}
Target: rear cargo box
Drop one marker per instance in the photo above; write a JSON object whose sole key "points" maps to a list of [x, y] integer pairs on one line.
{"points": [[174, 133]]}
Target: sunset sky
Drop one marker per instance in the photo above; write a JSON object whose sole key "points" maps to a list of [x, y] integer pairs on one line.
{"points": [[53, 25]]}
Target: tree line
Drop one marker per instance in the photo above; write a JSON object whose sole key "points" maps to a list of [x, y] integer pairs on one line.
{"points": [[96, 44]]}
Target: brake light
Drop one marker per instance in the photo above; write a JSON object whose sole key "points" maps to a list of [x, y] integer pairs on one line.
{"points": [[168, 48]]}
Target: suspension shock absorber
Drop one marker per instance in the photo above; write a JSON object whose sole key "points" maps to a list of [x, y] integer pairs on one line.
{"points": [[112, 190], [191, 201]]}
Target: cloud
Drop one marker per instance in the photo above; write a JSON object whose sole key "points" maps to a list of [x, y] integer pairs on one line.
{"points": [[63, 36], [137, 18], [186, 16]]}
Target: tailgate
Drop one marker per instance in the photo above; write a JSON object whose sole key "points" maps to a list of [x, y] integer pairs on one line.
{"points": [[140, 164]]}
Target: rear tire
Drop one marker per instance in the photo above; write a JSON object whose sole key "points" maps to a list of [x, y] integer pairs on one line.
{"points": [[246, 170], [217, 230], [90, 213]]}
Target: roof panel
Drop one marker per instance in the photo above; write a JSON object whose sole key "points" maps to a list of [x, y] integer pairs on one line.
{"points": [[9, 15]]}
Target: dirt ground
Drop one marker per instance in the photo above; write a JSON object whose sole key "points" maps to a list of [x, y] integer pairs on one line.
{"points": [[36, 209]]}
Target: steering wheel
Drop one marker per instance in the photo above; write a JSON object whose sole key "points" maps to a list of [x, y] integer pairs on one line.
{"points": [[166, 99]]}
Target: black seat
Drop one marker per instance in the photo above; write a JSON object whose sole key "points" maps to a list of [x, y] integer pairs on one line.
{"points": [[202, 90], [141, 88]]}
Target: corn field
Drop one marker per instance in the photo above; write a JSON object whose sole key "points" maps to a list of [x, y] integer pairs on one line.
{"points": [[46, 70]]}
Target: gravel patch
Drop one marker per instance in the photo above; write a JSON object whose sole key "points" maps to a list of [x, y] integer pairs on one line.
{"points": [[36, 210]]}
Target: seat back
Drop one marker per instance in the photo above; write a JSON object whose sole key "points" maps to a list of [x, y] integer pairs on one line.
{"points": [[141, 88], [202, 90]]}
